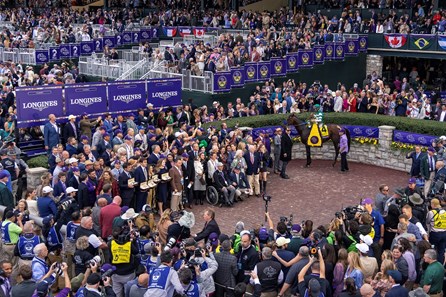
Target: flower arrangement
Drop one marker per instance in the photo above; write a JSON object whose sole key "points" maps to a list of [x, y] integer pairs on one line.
{"points": [[407, 147], [296, 139], [365, 140]]}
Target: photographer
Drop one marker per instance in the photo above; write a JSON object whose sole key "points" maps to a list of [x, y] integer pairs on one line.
{"points": [[315, 283], [43, 287], [123, 249], [81, 256], [180, 228], [26, 243], [282, 230], [204, 270], [93, 285]]}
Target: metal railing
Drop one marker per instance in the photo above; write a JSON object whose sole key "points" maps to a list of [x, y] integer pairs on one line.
{"points": [[137, 71], [102, 67]]}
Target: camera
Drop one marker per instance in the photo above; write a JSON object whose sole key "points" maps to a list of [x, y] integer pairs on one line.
{"points": [[266, 198], [288, 221], [96, 260], [171, 243]]}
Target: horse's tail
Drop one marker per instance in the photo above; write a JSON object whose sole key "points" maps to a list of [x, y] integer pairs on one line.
{"points": [[347, 132]]}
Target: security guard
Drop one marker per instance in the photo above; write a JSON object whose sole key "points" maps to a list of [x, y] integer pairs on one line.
{"points": [[10, 165], [164, 279], [10, 236], [436, 223], [25, 245], [52, 234]]}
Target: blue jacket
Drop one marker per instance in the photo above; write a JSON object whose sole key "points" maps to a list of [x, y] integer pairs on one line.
{"points": [[46, 206], [397, 291], [50, 135]]}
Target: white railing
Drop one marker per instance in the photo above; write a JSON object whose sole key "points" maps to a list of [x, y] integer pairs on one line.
{"points": [[137, 71], [103, 67]]}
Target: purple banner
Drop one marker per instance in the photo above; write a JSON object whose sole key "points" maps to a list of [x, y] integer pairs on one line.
{"points": [[363, 43], [155, 33], [35, 104], [319, 57], [119, 40], [222, 82], [251, 72], [413, 138], [75, 50], [109, 41], [146, 34], [127, 37], [64, 51], [351, 47], [329, 51], [87, 48], [278, 66], [136, 37], [54, 53], [98, 45], [264, 70], [42, 57], [164, 92], [238, 77], [339, 51], [126, 96], [363, 131], [305, 58], [291, 63], [81, 97]]}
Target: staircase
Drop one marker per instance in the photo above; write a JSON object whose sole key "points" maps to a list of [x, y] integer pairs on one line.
{"points": [[137, 71]]}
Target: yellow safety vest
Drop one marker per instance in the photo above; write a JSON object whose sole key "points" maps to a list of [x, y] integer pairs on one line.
{"points": [[439, 219], [121, 253]]}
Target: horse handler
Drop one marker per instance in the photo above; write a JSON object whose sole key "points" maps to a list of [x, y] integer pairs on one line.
{"points": [[343, 149]]}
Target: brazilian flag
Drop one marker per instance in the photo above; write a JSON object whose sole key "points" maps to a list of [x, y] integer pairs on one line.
{"points": [[421, 42], [314, 139]]}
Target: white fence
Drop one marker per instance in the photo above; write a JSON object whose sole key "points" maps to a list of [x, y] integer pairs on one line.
{"points": [[18, 55], [101, 67]]}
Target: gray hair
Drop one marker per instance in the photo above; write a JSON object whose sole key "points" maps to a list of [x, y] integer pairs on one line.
{"points": [[431, 253], [38, 249], [267, 253], [402, 227], [304, 251]]}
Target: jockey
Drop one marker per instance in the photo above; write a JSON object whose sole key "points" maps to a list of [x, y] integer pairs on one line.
{"points": [[317, 118]]}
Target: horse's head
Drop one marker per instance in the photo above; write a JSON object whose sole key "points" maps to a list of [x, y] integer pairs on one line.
{"points": [[293, 120]]}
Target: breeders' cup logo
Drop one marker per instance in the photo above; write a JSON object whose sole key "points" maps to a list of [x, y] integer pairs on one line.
{"points": [[329, 50], [156, 275], [357, 131], [222, 82], [399, 136], [86, 48], [264, 71], [351, 47], [363, 42], [410, 138], [145, 35], [127, 98], [164, 95], [278, 66], [64, 51], [318, 54], [369, 131], [305, 58], [108, 42], [292, 62], [127, 37], [42, 57], [40, 106], [339, 50], [251, 71], [422, 140], [237, 76]]}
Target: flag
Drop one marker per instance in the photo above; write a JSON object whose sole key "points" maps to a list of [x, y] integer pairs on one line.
{"points": [[170, 31], [183, 31], [442, 41], [396, 40], [199, 32], [421, 42]]}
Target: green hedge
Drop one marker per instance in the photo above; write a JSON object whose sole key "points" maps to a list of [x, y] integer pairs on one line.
{"points": [[39, 161], [346, 118]]}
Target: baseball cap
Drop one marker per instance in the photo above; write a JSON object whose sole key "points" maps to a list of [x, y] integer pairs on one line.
{"points": [[148, 247], [282, 241], [367, 239], [71, 117], [263, 234], [46, 220], [396, 275], [367, 201], [146, 208], [47, 189], [76, 282], [431, 149], [314, 286], [70, 190], [43, 286], [72, 160], [75, 169], [296, 228], [3, 174], [213, 237], [362, 247], [412, 180]]}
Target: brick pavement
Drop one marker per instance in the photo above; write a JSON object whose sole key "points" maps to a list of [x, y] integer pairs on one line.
{"points": [[311, 193]]}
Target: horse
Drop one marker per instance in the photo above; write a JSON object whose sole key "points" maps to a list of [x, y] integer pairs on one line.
{"points": [[304, 132]]}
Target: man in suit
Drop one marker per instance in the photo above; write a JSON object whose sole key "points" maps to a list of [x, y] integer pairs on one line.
{"points": [[74, 180], [284, 107], [120, 124], [441, 113], [154, 156], [51, 133], [189, 176], [239, 181], [227, 269], [71, 146], [285, 151], [141, 176], [252, 171], [223, 185], [427, 168], [210, 226], [70, 129], [416, 157], [397, 290], [127, 190], [6, 198], [176, 183], [82, 192]]}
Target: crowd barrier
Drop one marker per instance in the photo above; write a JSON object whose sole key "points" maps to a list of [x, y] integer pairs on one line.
{"points": [[34, 104]]}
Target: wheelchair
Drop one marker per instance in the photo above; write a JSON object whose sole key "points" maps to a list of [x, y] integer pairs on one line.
{"points": [[213, 196]]}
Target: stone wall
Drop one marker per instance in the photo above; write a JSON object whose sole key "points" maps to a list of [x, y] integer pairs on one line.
{"points": [[379, 155], [374, 63], [33, 177]]}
